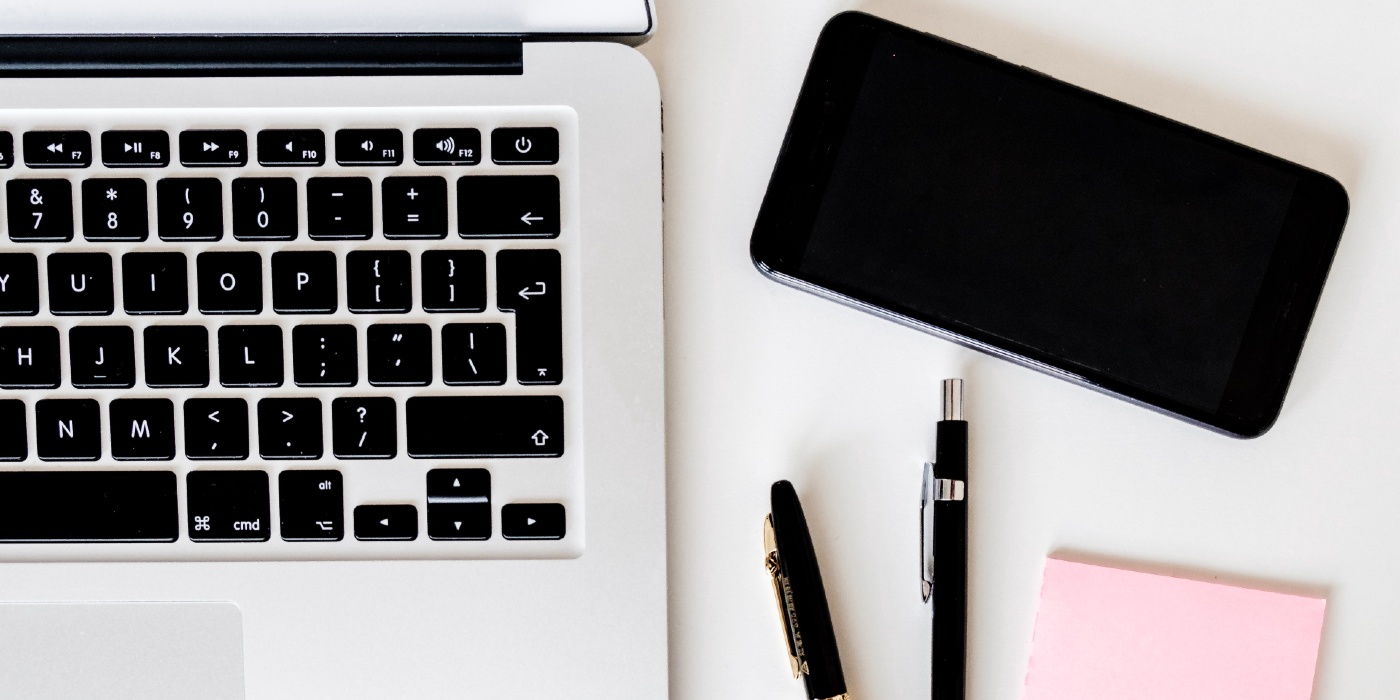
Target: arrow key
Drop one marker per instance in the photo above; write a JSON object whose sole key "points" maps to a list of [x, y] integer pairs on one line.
{"points": [[532, 521], [386, 522], [459, 504]]}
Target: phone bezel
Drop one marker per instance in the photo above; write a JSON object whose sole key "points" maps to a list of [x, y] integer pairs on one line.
{"points": [[1277, 326]]}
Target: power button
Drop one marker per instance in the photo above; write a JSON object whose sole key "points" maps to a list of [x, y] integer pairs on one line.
{"points": [[525, 146]]}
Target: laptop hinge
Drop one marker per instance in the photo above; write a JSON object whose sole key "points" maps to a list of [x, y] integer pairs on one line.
{"points": [[258, 55]]}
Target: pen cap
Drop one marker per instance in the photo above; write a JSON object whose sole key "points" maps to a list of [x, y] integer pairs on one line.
{"points": [[812, 618], [950, 456]]}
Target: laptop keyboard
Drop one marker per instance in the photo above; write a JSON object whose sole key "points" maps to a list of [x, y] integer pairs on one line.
{"points": [[321, 333]]}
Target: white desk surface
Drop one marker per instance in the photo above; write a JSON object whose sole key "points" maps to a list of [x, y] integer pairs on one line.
{"points": [[765, 382]]}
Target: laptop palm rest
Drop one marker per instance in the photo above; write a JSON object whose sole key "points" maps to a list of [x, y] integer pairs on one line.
{"points": [[121, 651]]}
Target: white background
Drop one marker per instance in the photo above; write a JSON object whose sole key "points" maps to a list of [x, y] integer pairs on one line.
{"points": [[765, 382]]}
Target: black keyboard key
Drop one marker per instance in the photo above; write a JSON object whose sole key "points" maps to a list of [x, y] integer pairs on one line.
{"points": [[508, 206], [7, 150], [114, 209], [213, 148], [155, 283], [39, 210], [387, 522], [106, 506], [454, 281], [230, 506], [525, 146], [292, 147], [400, 354], [68, 429], [19, 284], [176, 356], [368, 147], [250, 356], [216, 429], [473, 354], [379, 281], [528, 284], [14, 439], [459, 504], [364, 428], [447, 146], [57, 149], [80, 284], [289, 428], [135, 149], [325, 355], [102, 357], [339, 208], [190, 209], [29, 357], [469, 427], [532, 521], [312, 505], [230, 283], [265, 209], [414, 207], [142, 429], [304, 282]]}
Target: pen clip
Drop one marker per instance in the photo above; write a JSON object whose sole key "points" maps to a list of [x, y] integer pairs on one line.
{"points": [[926, 529], [775, 569]]}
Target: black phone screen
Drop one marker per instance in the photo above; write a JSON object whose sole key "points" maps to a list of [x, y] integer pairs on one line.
{"points": [[1027, 214]]}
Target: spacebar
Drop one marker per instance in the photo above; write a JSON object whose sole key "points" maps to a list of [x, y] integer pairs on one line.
{"points": [[88, 507]]}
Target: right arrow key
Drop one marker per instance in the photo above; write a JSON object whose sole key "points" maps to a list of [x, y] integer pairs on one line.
{"points": [[508, 206]]}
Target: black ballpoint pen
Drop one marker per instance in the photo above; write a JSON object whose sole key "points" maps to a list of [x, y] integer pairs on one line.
{"points": [[944, 536], [797, 583]]}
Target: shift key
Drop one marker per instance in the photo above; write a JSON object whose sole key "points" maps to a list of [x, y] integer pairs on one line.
{"points": [[467, 427]]}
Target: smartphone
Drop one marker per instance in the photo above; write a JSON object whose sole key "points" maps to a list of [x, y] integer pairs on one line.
{"points": [[985, 202]]}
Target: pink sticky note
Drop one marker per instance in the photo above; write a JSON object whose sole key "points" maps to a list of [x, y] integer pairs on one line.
{"points": [[1107, 633]]}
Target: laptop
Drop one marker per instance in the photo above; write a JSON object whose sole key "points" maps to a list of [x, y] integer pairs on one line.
{"points": [[330, 350]]}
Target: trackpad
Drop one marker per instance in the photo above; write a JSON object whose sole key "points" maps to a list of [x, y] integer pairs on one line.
{"points": [[121, 651]]}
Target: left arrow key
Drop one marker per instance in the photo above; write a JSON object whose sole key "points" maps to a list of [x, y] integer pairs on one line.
{"points": [[57, 149]]}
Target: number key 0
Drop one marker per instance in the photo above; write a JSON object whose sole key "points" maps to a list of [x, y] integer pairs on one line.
{"points": [[265, 209]]}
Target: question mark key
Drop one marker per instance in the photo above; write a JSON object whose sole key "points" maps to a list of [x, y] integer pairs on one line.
{"points": [[364, 427]]}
